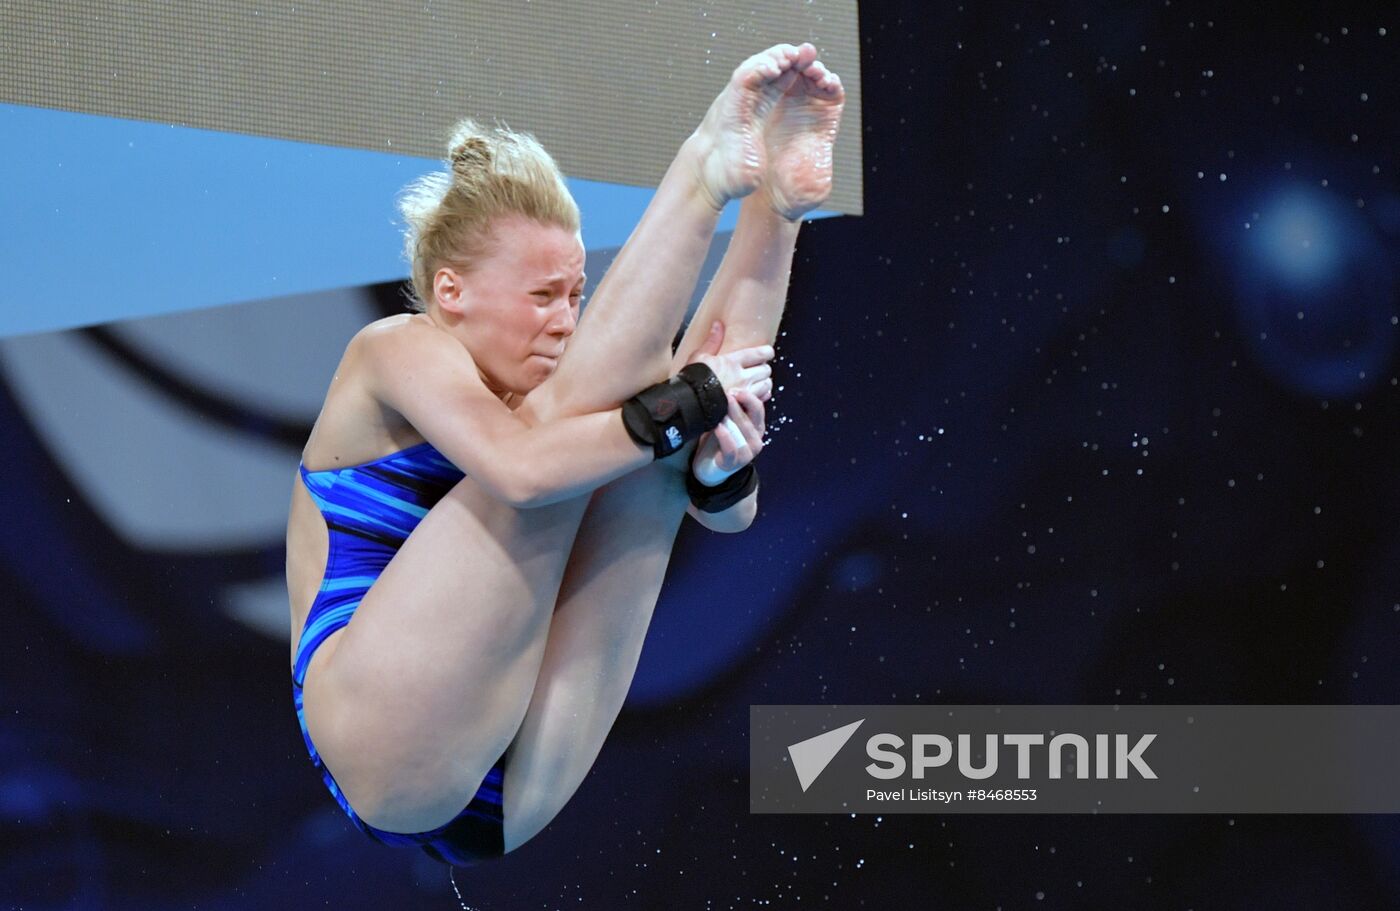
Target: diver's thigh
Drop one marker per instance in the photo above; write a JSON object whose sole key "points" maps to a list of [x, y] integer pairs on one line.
{"points": [[428, 682]]}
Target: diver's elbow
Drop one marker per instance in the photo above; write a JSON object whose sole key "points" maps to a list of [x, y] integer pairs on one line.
{"points": [[517, 487], [525, 495]]}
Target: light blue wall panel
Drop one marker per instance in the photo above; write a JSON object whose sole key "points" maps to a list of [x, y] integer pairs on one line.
{"points": [[105, 219]]}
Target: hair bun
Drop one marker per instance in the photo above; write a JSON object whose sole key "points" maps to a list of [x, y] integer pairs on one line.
{"points": [[470, 150]]}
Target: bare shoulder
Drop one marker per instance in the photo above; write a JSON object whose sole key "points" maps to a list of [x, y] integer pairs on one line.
{"points": [[402, 355], [354, 426], [384, 339], [390, 327], [406, 335]]}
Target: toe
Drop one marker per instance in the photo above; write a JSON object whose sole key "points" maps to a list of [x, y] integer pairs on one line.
{"points": [[758, 68], [785, 55]]}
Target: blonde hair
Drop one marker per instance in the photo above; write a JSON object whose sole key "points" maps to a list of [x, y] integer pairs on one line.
{"points": [[491, 173]]}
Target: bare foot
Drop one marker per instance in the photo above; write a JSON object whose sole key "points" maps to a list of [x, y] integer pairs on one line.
{"points": [[800, 136], [730, 140]]}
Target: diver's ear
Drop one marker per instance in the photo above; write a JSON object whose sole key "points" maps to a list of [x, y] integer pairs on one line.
{"points": [[449, 289]]}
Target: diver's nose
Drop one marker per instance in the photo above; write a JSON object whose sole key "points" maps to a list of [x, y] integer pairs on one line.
{"points": [[563, 321]]}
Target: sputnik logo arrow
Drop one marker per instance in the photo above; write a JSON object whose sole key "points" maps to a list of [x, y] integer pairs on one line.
{"points": [[811, 756]]}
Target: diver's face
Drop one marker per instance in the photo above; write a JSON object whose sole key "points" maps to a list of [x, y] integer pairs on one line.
{"points": [[520, 305]]}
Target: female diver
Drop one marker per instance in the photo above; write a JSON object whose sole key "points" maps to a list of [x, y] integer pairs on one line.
{"points": [[444, 501]]}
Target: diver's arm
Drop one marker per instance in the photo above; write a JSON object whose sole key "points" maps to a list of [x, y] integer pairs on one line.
{"points": [[430, 379]]}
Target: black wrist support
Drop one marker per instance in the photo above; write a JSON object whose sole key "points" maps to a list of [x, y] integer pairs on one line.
{"points": [[724, 494], [709, 390], [670, 414]]}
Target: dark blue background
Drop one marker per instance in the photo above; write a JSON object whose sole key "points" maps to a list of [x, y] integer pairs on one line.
{"points": [[1045, 442]]}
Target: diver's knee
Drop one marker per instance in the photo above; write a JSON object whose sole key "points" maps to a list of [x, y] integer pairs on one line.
{"points": [[520, 827], [408, 800], [529, 807], [397, 786]]}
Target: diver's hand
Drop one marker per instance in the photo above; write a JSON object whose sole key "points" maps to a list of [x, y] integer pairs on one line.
{"points": [[736, 442], [744, 369]]}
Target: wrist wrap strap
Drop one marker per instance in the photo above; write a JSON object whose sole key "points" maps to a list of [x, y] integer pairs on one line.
{"points": [[670, 414], [709, 390], [725, 494]]}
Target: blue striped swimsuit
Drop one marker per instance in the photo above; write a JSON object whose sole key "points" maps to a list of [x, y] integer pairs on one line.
{"points": [[370, 510]]}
